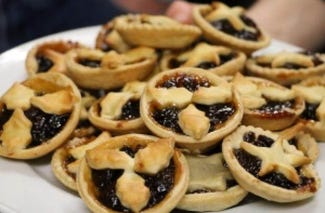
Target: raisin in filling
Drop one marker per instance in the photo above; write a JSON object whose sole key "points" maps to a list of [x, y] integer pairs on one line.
{"points": [[310, 112], [188, 81], [174, 63], [159, 184], [217, 113], [44, 63], [276, 108], [168, 117], [89, 63], [261, 140], [130, 110], [45, 126], [252, 164], [225, 26]]}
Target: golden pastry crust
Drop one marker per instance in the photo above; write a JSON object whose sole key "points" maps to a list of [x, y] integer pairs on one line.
{"points": [[204, 14], [119, 112], [65, 160], [216, 59], [155, 31], [94, 69], [267, 104], [184, 104], [313, 91], [302, 140], [48, 57], [23, 136], [287, 68], [274, 175], [208, 188], [135, 198], [109, 39]]}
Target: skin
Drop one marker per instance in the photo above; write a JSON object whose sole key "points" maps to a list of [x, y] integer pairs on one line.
{"points": [[299, 22]]}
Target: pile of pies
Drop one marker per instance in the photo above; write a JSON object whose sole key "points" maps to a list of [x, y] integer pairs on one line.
{"points": [[160, 115]]}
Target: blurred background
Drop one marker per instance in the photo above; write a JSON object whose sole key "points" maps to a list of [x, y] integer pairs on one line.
{"points": [[24, 20], [301, 22]]}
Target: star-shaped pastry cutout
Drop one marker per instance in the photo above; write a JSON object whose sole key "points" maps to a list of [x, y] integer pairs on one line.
{"points": [[276, 159]]}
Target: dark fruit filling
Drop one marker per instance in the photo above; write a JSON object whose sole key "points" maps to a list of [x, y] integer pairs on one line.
{"points": [[160, 184], [261, 140], [292, 66], [207, 65], [168, 117], [174, 63], [97, 93], [45, 126], [253, 165], [310, 112], [130, 110], [105, 180], [188, 81], [217, 113], [90, 63], [44, 63], [226, 58], [225, 26], [5, 115], [69, 159], [276, 108]]}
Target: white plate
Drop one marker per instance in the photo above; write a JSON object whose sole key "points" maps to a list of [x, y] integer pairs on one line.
{"points": [[30, 186]]}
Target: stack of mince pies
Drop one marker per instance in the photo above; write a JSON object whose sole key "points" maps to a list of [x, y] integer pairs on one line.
{"points": [[161, 116]]}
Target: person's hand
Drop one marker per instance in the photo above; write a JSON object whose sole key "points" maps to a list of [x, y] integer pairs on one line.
{"points": [[180, 11]]}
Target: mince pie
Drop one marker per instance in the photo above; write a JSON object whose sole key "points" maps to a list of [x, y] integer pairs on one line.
{"points": [[211, 186], [38, 115], [266, 164], [95, 69], [313, 92], [109, 39], [195, 107], [133, 173], [119, 112], [155, 31], [267, 104], [229, 26], [287, 67], [216, 59], [49, 57], [65, 160]]}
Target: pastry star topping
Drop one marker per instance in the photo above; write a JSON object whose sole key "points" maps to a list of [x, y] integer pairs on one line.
{"points": [[214, 94], [194, 122], [277, 159], [207, 172], [112, 104], [179, 97], [287, 57], [16, 131], [57, 103], [80, 151], [251, 95], [154, 157], [132, 191], [231, 14], [18, 96]]}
